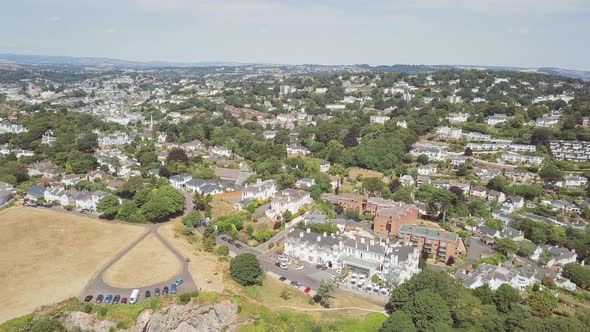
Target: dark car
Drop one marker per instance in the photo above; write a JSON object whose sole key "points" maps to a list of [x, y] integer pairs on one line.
{"points": [[282, 278], [99, 298], [88, 298], [148, 294], [230, 241], [157, 292], [293, 283], [165, 290], [224, 238], [124, 300], [116, 299], [173, 289], [319, 266], [108, 298], [239, 246]]}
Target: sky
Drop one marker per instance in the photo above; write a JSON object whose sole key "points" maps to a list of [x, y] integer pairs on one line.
{"points": [[522, 33]]}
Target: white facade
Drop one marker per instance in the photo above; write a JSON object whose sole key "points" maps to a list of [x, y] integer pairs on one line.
{"points": [[261, 190]]}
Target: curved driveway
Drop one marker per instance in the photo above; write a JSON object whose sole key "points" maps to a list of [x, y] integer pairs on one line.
{"points": [[98, 286]]}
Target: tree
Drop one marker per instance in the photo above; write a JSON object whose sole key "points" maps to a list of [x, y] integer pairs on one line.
{"points": [[468, 152], [541, 304], [373, 185], [108, 206], [324, 293], [462, 170], [580, 275], [287, 216], [116, 164], [245, 270], [178, 155], [192, 219], [201, 202], [130, 187], [506, 246], [428, 311], [87, 143], [485, 294], [403, 195], [504, 297], [557, 236], [398, 321], [498, 183], [550, 172], [422, 159]]}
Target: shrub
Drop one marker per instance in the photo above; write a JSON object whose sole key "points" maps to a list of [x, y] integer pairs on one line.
{"points": [[186, 297], [87, 308], [186, 231], [245, 270], [223, 251]]}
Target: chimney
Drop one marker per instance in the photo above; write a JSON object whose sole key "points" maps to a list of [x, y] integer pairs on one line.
{"points": [[258, 180], [308, 230], [300, 234], [372, 242], [332, 235], [325, 234], [319, 238], [362, 240]]}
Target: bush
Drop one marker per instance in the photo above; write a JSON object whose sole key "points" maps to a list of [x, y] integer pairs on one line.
{"points": [[87, 308], [186, 297], [223, 251], [186, 231], [245, 270], [102, 311], [192, 219]]}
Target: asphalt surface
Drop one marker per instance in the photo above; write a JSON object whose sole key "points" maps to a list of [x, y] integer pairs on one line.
{"points": [[98, 286]]}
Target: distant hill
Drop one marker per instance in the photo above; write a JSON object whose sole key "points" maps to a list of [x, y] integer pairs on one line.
{"points": [[45, 60]]}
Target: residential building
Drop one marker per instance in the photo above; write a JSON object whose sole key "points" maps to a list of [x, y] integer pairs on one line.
{"points": [[381, 119], [288, 200], [458, 117], [516, 158], [429, 169], [496, 119], [297, 150], [550, 255], [261, 190], [495, 276], [305, 183], [570, 150], [440, 243]]}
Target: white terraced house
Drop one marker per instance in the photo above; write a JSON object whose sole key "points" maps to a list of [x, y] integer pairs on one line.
{"points": [[178, 181], [288, 200], [260, 190], [392, 263], [495, 276]]}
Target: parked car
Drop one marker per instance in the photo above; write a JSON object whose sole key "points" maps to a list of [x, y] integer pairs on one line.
{"points": [[124, 300], [230, 241], [239, 246], [283, 278], [224, 238], [116, 299], [108, 298], [306, 291], [165, 290], [179, 281], [148, 294], [99, 298], [88, 298], [157, 292], [284, 266], [173, 289]]}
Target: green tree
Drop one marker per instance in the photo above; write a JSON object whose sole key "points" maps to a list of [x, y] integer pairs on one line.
{"points": [[485, 294], [398, 321], [245, 270], [428, 311], [550, 172], [324, 293], [108, 206], [373, 185], [403, 195], [541, 304], [505, 297], [580, 275], [506, 246]]}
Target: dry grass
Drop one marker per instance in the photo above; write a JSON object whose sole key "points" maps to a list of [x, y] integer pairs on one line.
{"points": [[205, 268], [353, 172], [48, 256], [147, 263]]}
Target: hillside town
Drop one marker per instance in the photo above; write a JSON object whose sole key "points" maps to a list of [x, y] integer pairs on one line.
{"points": [[358, 177]]}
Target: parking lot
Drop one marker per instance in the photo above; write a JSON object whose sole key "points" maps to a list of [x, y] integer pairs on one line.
{"points": [[142, 294]]}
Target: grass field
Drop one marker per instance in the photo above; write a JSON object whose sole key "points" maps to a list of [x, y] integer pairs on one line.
{"points": [[354, 172], [48, 256], [150, 261], [205, 268]]}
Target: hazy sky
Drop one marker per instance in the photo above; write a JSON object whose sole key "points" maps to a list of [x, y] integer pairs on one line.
{"points": [[526, 33]]}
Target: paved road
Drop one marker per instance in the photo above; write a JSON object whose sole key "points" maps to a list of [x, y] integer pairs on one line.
{"points": [[98, 286]]}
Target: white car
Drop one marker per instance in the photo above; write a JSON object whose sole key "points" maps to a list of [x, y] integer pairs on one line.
{"points": [[284, 266]]}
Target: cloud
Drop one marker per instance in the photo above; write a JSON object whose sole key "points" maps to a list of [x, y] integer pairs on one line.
{"points": [[54, 19], [492, 6], [111, 30]]}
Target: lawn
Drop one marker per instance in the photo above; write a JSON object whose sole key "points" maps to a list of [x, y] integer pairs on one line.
{"points": [[48, 256]]}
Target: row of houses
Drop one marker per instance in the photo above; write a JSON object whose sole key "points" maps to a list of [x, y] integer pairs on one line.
{"points": [[80, 200], [392, 263]]}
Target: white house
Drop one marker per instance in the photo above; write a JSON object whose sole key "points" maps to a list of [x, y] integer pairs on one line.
{"points": [[305, 183], [572, 181], [496, 119], [495, 276], [429, 169], [458, 117], [57, 194], [221, 151], [260, 190], [554, 255], [297, 150], [381, 119], [288, 200], [179, 181]]}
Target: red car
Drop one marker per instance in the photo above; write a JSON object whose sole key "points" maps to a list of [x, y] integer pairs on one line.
{"points": [[306, 291], [124, 300]]}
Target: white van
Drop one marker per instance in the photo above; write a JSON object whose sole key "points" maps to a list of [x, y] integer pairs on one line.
{"points": [[134, 296]]}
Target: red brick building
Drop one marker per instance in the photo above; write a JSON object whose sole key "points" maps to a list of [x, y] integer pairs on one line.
{"points": [[440, 243]]}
